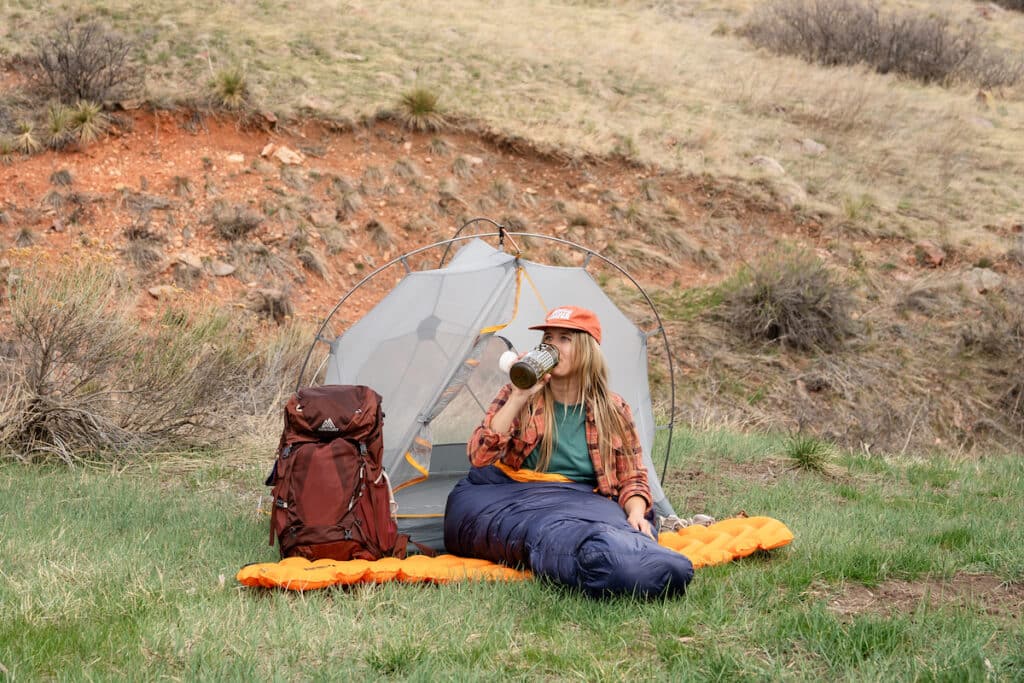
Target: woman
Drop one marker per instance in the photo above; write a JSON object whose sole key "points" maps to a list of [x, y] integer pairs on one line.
{"points": [[538, 458]]}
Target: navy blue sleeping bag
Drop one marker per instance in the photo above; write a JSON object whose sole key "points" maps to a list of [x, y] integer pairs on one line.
{"points": [[560, 531]]}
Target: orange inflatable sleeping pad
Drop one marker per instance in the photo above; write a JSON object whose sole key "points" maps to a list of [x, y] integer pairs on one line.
{"points": [[721, 542]]}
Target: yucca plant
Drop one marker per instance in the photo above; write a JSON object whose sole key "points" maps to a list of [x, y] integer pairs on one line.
{"points": [[419, 111], [8, 147], [88, 121], [59, 126], [26, 140], [230, 88]]}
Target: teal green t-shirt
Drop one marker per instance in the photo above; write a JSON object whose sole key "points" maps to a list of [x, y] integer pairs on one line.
{"points": [[569, 457]]}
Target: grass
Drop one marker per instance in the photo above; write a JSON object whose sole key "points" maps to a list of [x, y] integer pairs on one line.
{"points": [[131, 574], [587, 76]]}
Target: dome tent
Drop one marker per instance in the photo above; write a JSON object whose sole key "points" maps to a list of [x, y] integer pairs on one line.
{"points": [[430, 348]]}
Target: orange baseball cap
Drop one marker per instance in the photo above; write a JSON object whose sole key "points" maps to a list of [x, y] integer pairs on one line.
{"points": [[572, 318]]}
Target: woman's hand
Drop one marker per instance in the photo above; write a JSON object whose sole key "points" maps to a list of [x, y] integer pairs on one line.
{"points": [[506, 415], [635, 508]]}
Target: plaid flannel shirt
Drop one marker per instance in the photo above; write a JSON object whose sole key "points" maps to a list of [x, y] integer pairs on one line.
{"points": [[629, 478]]}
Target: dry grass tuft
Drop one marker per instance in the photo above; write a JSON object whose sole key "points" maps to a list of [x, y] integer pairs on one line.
{"points": [[791, 299], [348, 205], [312, 261], [25, 237], [380, 234], [233, 222], [272, 303], [462, 168], [406, 168], [61, 178], [439, 147]]}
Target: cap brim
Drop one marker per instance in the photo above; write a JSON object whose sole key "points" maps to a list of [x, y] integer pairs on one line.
{"points": [[564, 326]]}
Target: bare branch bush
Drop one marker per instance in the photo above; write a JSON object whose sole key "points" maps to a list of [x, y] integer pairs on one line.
{"points": [[85, 380], [85, 61], [847, 32]]}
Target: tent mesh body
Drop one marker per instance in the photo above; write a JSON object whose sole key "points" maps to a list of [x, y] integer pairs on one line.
{"points": [[431, 349]]}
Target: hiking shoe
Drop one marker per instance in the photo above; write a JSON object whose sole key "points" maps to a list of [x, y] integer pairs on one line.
{"points": [[673, 523]]}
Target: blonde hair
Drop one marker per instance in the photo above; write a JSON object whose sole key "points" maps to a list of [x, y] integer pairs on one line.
{"points": [[590, 366]]}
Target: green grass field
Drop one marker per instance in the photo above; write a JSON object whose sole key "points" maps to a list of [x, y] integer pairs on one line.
{"points": [[131, 575]]}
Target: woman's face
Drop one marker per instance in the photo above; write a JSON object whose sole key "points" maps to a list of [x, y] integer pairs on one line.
{"points": [[561, 339]]}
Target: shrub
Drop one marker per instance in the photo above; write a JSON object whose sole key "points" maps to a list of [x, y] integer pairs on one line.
{"points": [[1011, 4], [88, 380], [418, 110], [792, 299], [846, 32], [85, 62]]}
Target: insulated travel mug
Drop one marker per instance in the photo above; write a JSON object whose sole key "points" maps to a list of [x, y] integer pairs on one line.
{"points": [[529, 369]]}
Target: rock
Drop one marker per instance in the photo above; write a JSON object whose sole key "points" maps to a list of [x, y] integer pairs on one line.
{"points": [[57, 225], [983, 280], [789, 192], [288, 156], [269, 117], [236, 158], [812, 148], [268, 149], [768, 165], [928, 253], [190, 260], [163, 292], [474, 161], [322, 218], [221, 269]]}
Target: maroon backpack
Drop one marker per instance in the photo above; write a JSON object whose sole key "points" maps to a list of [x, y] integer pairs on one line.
{"points": [[331, 496]]}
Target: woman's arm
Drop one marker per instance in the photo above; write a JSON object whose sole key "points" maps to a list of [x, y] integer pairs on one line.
{"points": [[493, 438], [629, 465], [635, 508]]}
